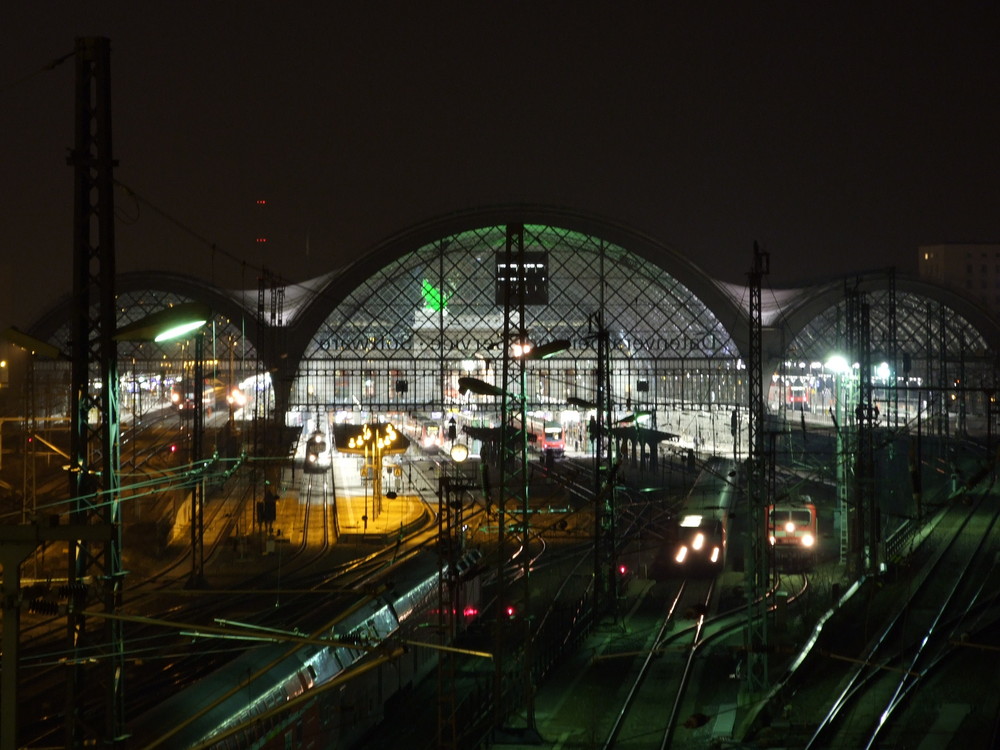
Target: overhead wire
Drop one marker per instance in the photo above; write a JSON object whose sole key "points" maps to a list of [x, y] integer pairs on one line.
{"points": [[37, 72]]}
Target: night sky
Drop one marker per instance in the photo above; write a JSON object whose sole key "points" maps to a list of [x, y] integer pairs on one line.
{"points": [[840, 136]]}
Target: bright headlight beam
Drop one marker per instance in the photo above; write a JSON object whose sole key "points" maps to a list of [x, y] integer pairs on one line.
{"points": [[179, 330]]}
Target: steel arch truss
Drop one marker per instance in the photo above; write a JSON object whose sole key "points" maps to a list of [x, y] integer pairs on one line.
{"points": [[402, 337], [937, 352]]}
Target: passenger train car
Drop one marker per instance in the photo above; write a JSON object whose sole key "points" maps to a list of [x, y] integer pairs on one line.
{"points": [[247, 703], [183, 398], [547, 437], [317, 454], [544, 436], [424, 431], [797, 397], [703, 520], [792, 533]]}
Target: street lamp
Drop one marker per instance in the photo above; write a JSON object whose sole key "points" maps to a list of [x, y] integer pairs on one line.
{"points": [[166, 325], [172, 324], [480, 387], [376, 441]]}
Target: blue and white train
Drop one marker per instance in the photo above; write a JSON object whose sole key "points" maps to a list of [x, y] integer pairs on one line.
{"points": [[251, 701]]}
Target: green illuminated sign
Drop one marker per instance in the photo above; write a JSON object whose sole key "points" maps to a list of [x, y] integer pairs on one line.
{"points": [[434, 298]]}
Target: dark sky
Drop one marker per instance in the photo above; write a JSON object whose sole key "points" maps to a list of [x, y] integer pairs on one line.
{"points": [[841, 136]]}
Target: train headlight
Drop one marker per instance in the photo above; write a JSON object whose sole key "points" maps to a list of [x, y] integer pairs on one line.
{"points": [[715, 554], [771, 539], [681, 555], [808, 540], [698, 542], [790, 527]]}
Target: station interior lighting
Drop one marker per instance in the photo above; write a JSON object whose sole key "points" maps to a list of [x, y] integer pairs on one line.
{"points": [[236, 397], [459, 452], [521, 348], [837, 364], [524, 349]]}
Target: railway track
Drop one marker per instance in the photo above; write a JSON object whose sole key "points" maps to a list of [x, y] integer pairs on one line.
{"points": [[952, 600]]}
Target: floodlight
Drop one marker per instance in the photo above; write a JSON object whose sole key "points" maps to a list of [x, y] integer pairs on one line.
{"points": [[479, 387], [167, 324]]}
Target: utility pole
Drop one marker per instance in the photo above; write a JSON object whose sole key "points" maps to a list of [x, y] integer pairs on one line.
{"points": [[197, 578], [605, 595], [757, 569], [16, 543], [94, 444]]}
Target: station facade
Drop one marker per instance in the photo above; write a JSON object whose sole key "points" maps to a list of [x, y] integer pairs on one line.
{"points": [[394, 331]]}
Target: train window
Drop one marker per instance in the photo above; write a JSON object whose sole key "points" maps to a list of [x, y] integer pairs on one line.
{"points": [[798, 517]]}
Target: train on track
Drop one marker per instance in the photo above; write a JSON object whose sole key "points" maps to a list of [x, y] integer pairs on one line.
{"points": [[545, 436], [182, 396], [792, 533], [317, 454], [797, 397], [339, 690], [424, 431], [703, 521]]}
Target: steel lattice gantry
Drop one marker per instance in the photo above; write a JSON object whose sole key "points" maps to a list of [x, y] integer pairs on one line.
{"points": [[94, 444]]}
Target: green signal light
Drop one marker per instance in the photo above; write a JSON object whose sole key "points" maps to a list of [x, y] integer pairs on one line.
{"points": [[434, 298]]}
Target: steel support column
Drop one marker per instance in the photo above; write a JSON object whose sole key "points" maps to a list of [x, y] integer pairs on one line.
{"points": [[94, 440], [757, 569]]}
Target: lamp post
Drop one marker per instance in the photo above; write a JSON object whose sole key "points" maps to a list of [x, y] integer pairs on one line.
{"points": [[841, 415], [169, 325], [375, 440], [16, 543]]}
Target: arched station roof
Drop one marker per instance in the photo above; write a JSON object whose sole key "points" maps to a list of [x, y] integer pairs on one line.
{"points": [[470, 230], [658, 303], [140, 294], [802, 315]]}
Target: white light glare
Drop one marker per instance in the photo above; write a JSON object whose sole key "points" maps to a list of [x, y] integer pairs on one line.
{"points": [[837, 364]]}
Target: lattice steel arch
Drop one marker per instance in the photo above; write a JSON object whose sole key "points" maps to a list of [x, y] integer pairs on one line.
{"points": [[934, 338], [233, 340], [432, 312]]}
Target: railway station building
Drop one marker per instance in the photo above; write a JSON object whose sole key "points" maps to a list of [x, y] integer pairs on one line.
{"points": [[392, 333]]}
